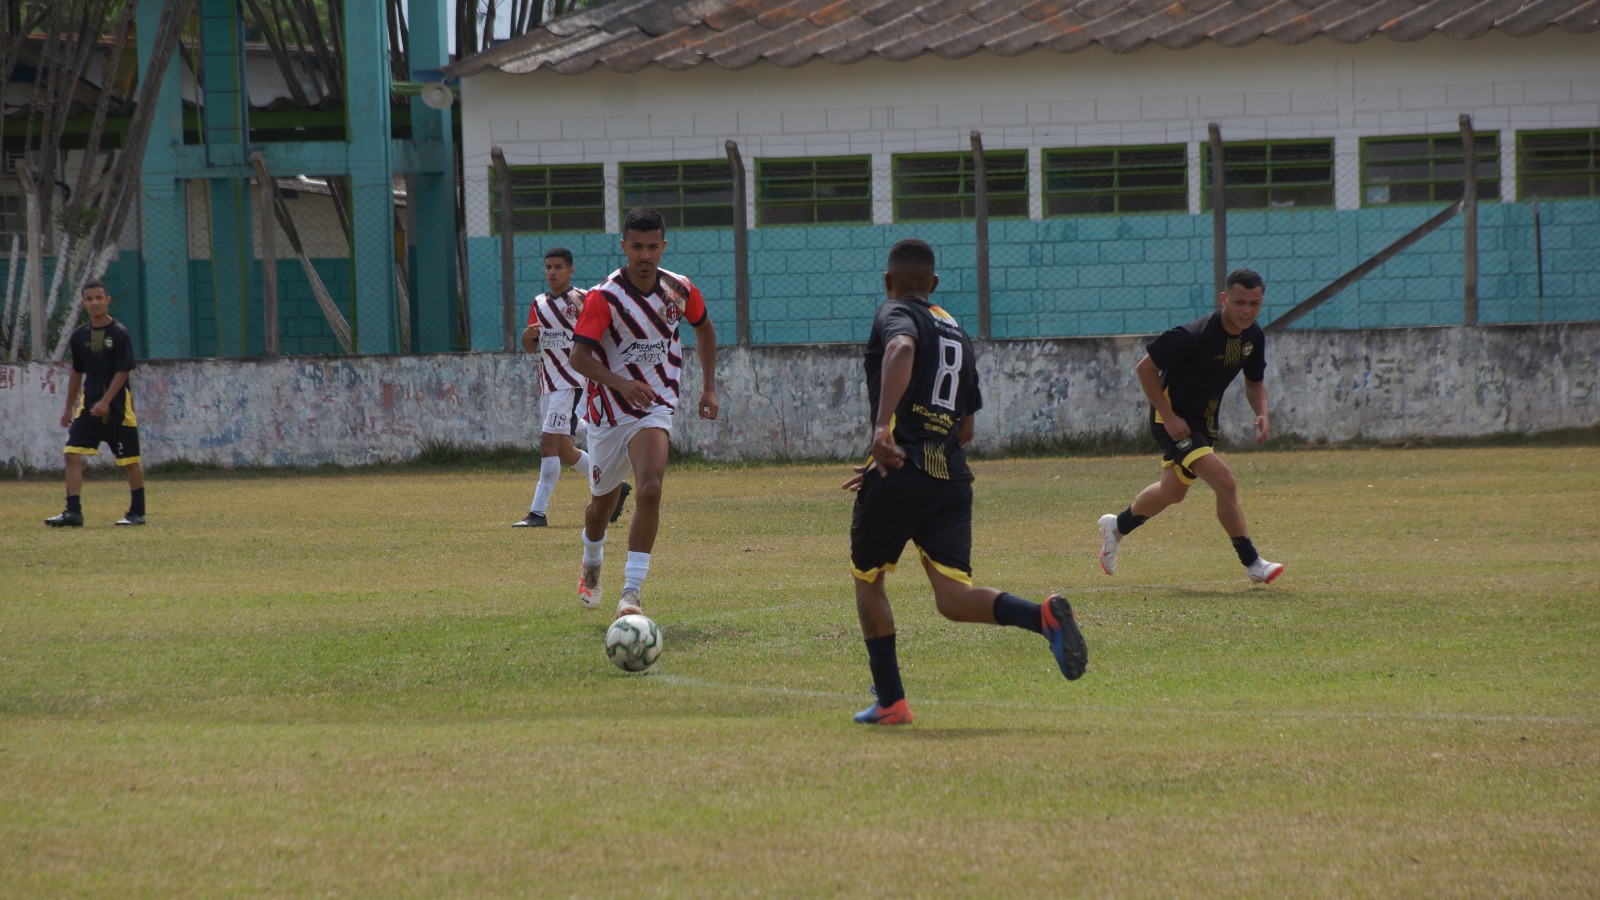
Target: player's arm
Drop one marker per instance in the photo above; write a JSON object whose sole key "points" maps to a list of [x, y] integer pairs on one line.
{"points": [[74, 387], [1150, 383], [1256, 393], [530, 338], [705, 347], [898, 355], [636, 393], [965, 429]]}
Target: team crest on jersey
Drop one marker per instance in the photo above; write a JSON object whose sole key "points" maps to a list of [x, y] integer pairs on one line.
{"points": [[571, 310], [670, 312], [941, 315], [1249, 348]]}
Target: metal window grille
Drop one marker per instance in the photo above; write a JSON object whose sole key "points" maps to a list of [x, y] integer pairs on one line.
{"points": [[1106, 180], [550, 199], [692, 194], [1275, 174], [814, 191], [1426, 168], [941, 186], [1553, 164]]}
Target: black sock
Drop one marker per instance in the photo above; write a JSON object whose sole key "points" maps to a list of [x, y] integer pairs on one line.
{"points": [[1127, 521], [1246, 550], [136, 508], [74, 503], [1009, 609], [885, 667]]}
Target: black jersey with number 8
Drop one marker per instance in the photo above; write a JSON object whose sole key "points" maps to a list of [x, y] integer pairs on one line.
{"points": [[943, 389]]}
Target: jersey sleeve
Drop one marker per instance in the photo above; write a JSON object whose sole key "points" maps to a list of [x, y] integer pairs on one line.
{"points": [[1255, 365], [533, 310], [122, 359], [1170, 347], [594, 320], [694, 310], [895, 319], [77, 354]]}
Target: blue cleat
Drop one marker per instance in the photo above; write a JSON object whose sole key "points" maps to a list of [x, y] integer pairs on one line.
{"points": [[1066, 641]]}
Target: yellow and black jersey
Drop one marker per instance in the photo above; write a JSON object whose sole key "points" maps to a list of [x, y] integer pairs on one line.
{"points": [[1199, 360], [99, 354], [943, 388]]}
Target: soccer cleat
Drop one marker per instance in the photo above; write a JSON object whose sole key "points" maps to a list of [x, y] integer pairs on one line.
{"points": [[896, 713], [622, 497], [589, 586], [1066, 641], [534, 520], [1262, 572], [67, 519], [1109, 539], [629, 604], [131, 519]]}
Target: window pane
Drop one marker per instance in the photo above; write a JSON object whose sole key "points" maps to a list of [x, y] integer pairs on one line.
{"points": [[552, 198]]}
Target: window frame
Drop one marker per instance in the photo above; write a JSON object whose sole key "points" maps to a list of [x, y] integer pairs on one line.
{"points": [[674, 213], [1591, 172], [1115, 192], [1228, 148], [966, 185], [548, 210], [764, 182], [1438, 188]]}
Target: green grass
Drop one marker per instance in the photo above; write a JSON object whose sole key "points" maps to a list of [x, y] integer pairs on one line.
{"points": [[367, 684]]}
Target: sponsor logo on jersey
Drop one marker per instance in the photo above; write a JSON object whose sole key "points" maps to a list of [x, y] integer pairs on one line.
{"points": [[645, 353]]}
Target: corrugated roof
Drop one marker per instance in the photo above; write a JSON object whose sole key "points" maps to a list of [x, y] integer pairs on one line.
{"points": [[628, 35]]}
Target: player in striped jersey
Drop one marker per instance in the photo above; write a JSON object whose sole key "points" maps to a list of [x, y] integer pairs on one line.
{"points": [[551, 318], [627, 345]]}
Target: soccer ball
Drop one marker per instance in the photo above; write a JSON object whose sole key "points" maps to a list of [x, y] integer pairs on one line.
{"points": [[633, 643]]}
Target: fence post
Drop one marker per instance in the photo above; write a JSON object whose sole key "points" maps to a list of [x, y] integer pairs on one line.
{"points": [[741, 249], [33, 270], [1219, 216], [508, 263], [265, 206], [1469, 224], [980, 217]]}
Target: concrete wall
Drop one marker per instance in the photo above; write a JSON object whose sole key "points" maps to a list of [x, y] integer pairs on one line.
{"points": [[809, 402]]}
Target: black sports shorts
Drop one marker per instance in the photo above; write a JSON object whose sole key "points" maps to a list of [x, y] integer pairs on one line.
{"points": [[87, 433], [911, 505], [1183, 453]]}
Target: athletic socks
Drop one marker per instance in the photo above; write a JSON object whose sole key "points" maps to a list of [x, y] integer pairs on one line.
{"points": [[1246, 550], [136, 507], [549, 472], [885, 665], [74, 503], [1127, 521], [582, 465], [594, 552], [1009, 609], [633, 573]]}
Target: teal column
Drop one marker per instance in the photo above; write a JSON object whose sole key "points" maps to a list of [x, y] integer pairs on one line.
{"points": [[367, 85], [433, 295], [225, 118], [163, 214]]}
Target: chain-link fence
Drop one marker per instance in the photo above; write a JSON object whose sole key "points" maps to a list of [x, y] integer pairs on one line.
{"points": [[1032, 243]]}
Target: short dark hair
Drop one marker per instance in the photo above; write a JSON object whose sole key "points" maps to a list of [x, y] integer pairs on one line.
{"points": [[92, 284], [911, 265], [1249, 279], [559, 253], [643, 218]]}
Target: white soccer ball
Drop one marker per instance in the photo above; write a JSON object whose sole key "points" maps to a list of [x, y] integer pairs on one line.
{"points": [[633, 643]]}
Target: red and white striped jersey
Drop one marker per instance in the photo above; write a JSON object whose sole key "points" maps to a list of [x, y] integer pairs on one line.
{"points": [[636, 336], [556, 317]]}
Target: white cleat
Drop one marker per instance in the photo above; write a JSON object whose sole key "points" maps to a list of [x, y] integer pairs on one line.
{"points": [[1110, 539], [1262, 572], [629, 604], [589, 586]]}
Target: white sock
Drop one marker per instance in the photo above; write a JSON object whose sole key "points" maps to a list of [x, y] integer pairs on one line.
{"points": [[637, 568], [582, 465], [549, 472], [594, 552]]}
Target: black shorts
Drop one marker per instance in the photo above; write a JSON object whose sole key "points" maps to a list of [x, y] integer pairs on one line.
{"points": [[120, 430], [911, 505], [1183, 453]]}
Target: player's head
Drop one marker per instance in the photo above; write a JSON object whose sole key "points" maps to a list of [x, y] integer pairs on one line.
{"points": [[95, 298], [1241, 302], [644, 237], [910, 269], [558, 269]]}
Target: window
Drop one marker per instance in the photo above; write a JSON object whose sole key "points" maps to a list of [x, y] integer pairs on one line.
{"points": [[931, 186], [1116, 180], [687, 194], [1427, 168], [1558, 164], [814, 191], [547, 199], [1273, 175]]}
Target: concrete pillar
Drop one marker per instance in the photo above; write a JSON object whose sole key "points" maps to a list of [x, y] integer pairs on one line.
{"points": [[375, 320], [163, 213], [433, 296], [225, 119]]}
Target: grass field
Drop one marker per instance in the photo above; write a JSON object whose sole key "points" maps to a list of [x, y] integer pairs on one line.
{"points": [[368, 685]]}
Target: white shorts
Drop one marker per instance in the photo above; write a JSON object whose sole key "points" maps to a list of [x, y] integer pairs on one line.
{"points": [[608, 449], [560, 411]]}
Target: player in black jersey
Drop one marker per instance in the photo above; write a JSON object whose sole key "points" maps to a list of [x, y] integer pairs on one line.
{"points": [[922, 386], [1183, 374], [100, 406]]}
